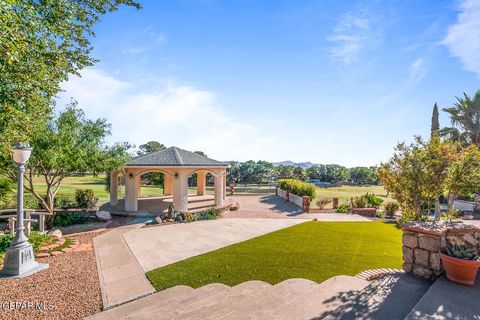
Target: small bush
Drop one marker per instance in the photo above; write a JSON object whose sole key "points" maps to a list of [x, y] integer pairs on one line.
{"points": [[359, 202], [64, 201], [35, 238], [322, 203], [372, 201], [189, 217], [6, 188], [298, 187], [85, 198], [343, 208], [63, 219], [380, 214], [391, 208], [210, 214]]}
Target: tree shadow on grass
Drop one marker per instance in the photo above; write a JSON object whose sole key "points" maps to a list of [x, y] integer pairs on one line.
{"points": [[391, 296], [281, 206]]}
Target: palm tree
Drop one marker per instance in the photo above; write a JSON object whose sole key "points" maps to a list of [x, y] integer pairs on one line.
{"points": [[465, 120]]}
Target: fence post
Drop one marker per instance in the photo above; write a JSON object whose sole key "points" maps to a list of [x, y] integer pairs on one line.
{"points": [[287, 195], [276, 190], [232, 189], [41, 222], [306, 204], [335, 203]]}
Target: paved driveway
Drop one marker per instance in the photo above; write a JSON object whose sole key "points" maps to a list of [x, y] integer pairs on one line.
{"points": [[159, 246], [274, 207]]}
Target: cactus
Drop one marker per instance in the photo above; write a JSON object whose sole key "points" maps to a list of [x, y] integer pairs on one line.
{"points": [[461, 252]]}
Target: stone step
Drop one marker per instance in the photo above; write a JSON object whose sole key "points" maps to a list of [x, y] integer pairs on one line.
{"points": [[208, 308], [320, 299], [154, 301]]}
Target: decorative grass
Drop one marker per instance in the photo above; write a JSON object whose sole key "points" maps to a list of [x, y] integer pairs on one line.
{"points": [[311, 250]]}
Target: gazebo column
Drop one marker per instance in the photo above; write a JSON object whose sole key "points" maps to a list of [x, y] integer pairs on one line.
{"points": [[138, 184], [114, 188], [180, 192], [131, 200], [167, 184], [224, 180], [218, 190], [201, 182]]}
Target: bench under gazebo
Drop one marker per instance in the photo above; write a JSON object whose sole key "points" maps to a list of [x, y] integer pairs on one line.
{"points": [[177, 165]]}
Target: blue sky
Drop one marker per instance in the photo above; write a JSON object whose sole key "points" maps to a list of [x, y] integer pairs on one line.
{"points": [[320, 81]]}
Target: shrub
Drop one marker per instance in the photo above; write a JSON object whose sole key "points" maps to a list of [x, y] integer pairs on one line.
{"points": [[372, 201], [35, 238], [343, 208], [209, 214], [322, 203], [63, 219], [189, 217], [85, 198], [380, 214], [298, 187], [6, 188], [359, 202], [391, 208], [10, 201], [64, 201]]}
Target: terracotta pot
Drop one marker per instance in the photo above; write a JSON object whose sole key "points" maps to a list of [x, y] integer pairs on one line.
{"points": [[459, 270]]}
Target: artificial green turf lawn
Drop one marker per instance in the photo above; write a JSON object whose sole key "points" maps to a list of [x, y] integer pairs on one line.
{"points": [[311, 250]]}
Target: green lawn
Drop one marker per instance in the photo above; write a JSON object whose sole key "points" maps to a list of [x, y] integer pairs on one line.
{"points": [[344, 193], [311, 250]]}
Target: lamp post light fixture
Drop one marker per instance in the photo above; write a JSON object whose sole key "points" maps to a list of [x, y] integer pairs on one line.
{"points": [[19, 257]]}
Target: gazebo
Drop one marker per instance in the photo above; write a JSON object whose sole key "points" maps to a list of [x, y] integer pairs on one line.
{"points": [[177, 165]]}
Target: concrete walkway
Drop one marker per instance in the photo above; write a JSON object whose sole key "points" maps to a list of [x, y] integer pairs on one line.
{"points": [[121, 277], [159, 246], [448, 300]]}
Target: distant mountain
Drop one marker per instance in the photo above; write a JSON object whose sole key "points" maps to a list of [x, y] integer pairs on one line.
{"points": [[295, 164]]}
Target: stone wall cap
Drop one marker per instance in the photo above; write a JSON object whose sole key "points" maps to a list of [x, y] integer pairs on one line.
{"points": [[438, 228]]}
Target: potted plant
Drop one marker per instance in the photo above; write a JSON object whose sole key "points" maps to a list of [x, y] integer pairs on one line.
{"points": [[461, 264]]}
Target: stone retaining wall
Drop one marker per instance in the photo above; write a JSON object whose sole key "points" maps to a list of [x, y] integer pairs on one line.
{"points": [[421, 244]]}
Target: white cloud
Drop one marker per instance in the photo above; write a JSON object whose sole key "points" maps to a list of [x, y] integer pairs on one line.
{"points": [[463, 37], [355, 33], [417, 70], [173, 114]]}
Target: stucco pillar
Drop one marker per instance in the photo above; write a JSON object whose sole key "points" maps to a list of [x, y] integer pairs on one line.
{"points": [[168, 184], [131, 200], [138, 185], [114, 188], [224, 183], [218, 190], [201, 182], [180, 192]]}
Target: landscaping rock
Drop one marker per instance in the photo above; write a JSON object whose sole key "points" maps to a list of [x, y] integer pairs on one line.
{"points": [[56, 253], [470, 239], [407, 255], [435, 262], [103, 215], [407, 267], [455, 241], [55, 233], [421, 257], [422, 272], [429, 243], [42, 255], [409, 240]]}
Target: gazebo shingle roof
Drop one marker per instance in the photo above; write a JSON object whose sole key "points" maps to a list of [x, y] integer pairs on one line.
{"points": [[174, 156]]}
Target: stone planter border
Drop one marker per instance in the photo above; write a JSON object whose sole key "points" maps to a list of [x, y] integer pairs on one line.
{"points": [[421, 244]]}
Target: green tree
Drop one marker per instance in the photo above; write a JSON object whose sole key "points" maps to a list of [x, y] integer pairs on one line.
{"points": [[69, 145], [300, 173], [435, 126], [149, 147], [465, 120], [263, 171], [200, 153], [284, 172], [314, 172], [247, 170], [363, 175], [41, 44], [233, 172]]}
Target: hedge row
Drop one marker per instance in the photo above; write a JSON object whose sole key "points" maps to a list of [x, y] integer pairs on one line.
{"points": [[298, 187]]}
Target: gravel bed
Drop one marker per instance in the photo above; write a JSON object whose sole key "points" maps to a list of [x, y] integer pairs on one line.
{"points": [[69, 288]]}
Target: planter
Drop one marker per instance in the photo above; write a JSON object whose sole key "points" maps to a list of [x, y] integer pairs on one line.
{"points": [[365, 211], [459, 270]]}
